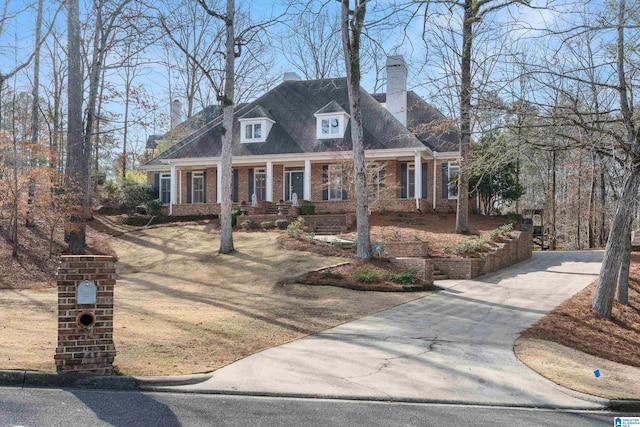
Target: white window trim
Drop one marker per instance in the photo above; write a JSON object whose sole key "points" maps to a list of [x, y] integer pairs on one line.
{"points": [[374, 194], [256, 172], [194, 176], [342, 118], [335, 169], [265, 128], [167, 178], [452, 165]]}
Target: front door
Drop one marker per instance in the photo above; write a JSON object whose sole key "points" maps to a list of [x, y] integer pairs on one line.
{"points": [[293, 183]]}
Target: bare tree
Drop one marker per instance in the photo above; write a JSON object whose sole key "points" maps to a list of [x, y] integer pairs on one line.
{"points": [[352, 24]]}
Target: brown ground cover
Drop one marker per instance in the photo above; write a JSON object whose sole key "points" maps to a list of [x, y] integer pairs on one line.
{"points": [[574, 324]]}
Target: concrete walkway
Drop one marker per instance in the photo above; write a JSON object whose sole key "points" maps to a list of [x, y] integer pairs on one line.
{"points": [[455, 346]]}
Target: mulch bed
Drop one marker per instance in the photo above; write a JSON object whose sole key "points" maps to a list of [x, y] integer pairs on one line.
{"points": [[344, 276]]}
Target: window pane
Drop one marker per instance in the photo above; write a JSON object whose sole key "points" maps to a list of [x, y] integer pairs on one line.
{"points": [[257, 131], [335, 126], [325, 126], [411, 180], [165, 188], [453, 181], [248, 131], [198, 187], [335, 182]]}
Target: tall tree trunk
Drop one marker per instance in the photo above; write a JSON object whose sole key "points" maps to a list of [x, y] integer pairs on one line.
{"points": [[616, 243], [226, 230], [351, 47], [603, 205], [76, 171], [579, 209], [462, 211], [552, 231], [603, 299], [35, 93], [592, 203], [622, 293]]}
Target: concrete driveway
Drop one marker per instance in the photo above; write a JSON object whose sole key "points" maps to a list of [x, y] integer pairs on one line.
{"points": [[454, 346]]}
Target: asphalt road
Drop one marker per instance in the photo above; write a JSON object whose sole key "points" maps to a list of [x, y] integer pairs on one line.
{"points": [[40, 407]]}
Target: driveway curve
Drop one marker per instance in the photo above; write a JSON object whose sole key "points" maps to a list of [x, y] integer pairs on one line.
{"points": [[455, 346]]}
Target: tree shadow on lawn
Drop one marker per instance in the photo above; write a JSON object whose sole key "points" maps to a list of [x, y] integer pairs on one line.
{"points": [[214, 301]]}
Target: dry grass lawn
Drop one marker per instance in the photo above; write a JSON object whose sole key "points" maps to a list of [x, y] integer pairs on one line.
{"points": [[182, 308]]}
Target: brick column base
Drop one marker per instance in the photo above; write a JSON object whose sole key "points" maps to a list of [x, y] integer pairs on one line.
{"points": [[85, 331]]}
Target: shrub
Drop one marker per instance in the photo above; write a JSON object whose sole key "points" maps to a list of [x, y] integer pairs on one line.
{"points": [[367, 276], [506, 228], [234, 214], [330, 274], [383, 212], [247, 224], [112, 190], [402, 215], [400, 277], [135, 194], [308, 209], [154, 207], [282, 224], [513, 217], [267, 225], [295, 227]]}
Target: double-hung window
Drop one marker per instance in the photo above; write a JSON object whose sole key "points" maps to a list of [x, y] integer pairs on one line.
{"points": [[165, 188], [335, 182], [454, 170], [330, 126], [253, 131], [197, 187], [411, 180]]}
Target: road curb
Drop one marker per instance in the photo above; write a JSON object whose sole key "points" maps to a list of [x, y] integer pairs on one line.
{"points": [[37, 379]]}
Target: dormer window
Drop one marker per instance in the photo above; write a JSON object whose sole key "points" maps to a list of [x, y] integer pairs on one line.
{"points": [[331, 121], [255, 125], [330, 126], [253, 131]]}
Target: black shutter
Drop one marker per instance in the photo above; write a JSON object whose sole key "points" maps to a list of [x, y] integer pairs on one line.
{"points": [[156, 185], [250, 185], [234, 192], [189, 187], [445, 180], [381, 183], [204, 187], [424, 180], [325, 182], [403, 181]]}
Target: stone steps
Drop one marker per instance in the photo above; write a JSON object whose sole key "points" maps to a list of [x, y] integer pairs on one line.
{"points": [[323, 230], [439, 275]]}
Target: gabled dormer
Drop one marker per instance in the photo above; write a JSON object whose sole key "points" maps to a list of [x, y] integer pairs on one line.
{"points": [[255, 125], [331, 121]]}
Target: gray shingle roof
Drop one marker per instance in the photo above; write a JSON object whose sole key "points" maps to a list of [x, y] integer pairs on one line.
{"points": [[432, 127], [292, 106]]}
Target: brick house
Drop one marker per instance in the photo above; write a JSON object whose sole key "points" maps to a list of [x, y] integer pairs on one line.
{"points": [[295, 142]]}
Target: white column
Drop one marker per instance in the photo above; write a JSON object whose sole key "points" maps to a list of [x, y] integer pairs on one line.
{"points": [[307, 180], [417, 178], [174, 189], [435, 188], [269, 181], [219, 183]]}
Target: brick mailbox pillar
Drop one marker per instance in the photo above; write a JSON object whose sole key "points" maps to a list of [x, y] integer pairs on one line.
{"points": [[85, 314]]}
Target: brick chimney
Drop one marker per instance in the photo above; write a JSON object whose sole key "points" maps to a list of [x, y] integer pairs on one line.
{"points": [[176, 113], [397, 88]]}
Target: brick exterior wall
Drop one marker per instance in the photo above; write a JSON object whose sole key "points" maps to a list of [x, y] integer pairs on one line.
{"points": [[389, 197], [512, 252], [80, 349]]}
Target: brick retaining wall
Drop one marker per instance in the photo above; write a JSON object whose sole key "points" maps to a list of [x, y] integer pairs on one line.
{"points": [[513, 251]]}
